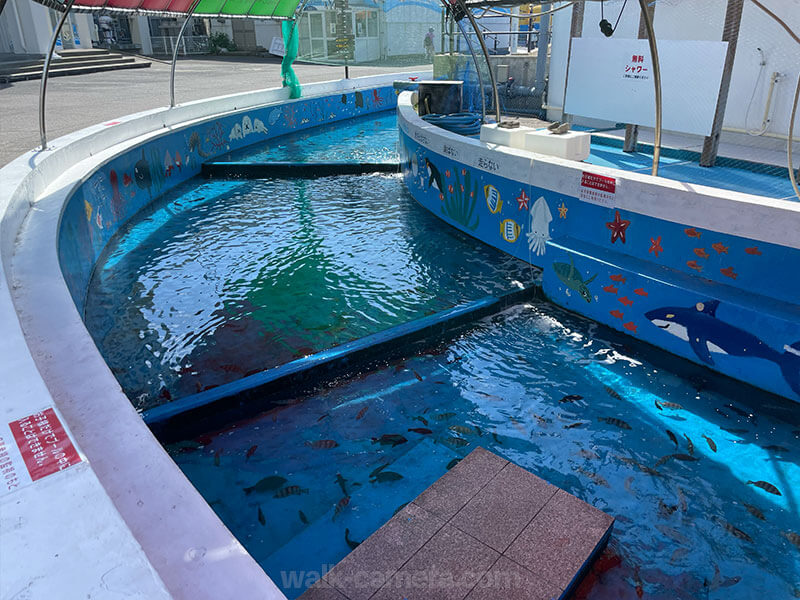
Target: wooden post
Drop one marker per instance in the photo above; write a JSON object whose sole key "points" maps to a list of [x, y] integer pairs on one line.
{"points": [[730, 34], [632, 131], [575, 31]]}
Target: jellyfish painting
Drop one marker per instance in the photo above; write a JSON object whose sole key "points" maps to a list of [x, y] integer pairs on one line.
{"points": [[540, 226]]}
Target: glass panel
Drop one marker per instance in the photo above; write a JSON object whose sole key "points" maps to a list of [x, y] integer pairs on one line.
{"points": [[372, 22], [361, 23], [317, 31]]}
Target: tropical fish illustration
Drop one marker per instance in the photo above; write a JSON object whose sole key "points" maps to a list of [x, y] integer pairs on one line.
{"points": [[753, 251], [344, 98], [610, 289], [616, 314], [692, 264], [692, 232], [701, 252], [510, 230], [267, 484], [571, 277], [434, 177], [630, 326], [274, 115], [539, 232], [728, 272], [706, 334], [625, 301], [493, 200], [618, 278], [141, 173], [194, 144], [126, 180], [359, 99], [640, 292], [720, 248]]}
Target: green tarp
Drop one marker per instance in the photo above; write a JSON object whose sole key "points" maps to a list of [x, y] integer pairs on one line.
{"points": [[290, 47]]}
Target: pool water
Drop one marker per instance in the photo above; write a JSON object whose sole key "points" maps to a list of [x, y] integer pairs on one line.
{"points": [[369, 138], [564, 398], [221, 279]]}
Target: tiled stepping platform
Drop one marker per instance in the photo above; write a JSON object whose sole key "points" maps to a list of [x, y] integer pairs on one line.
{"points": [[486, 530]]}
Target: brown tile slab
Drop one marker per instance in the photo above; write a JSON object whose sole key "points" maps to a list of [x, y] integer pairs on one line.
{"points": [[322, 591], [557, 543], [455, 488], [446, 568], [506, 580], [501, 510], [372, 563]]}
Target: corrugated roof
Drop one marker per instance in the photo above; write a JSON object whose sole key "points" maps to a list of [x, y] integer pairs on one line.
{"points": [[274, 9]]}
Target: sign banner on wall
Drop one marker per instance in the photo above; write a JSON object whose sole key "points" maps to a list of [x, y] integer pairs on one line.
{"points": [[612, 79]]}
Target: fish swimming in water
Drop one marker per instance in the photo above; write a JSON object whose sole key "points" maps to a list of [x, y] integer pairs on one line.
{"points": [[455, 442], [444, 416], [267, 484], [417, 375], [766, 486], [378, 469], [573, 425], [361, 413], [340, 506], [453, 463], [353, 545], [571, 398], [598, 479], [342, 483], [421, 430], [792, 537], [303, 518], [612, 392], [614, 421], [399, 508], [261, 518], [217, 457], [322, 444], [710, 443], [250, 452], [672, 405], [422, 420], [390, 439], [461, 429], [385, 476], [689, 444], [755, 511], [292, 490], [572, 278], [672, 437], [699, 326]]}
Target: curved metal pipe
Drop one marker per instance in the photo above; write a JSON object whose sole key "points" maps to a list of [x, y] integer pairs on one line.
{"points": [[175, 54], [531, 15], [474, 24], [651, 38], [477, 70], [46, 72]]}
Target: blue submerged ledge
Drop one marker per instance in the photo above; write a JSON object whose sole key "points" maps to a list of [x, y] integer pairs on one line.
{"points": [[681, 281], [208, 410]]}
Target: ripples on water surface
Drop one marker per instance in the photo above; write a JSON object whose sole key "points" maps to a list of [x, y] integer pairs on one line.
{"points": [[223, 279], [555, 394]]}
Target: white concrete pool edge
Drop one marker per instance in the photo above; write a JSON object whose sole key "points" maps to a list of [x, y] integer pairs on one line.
{"points": [[125, 520], [724, 211]]}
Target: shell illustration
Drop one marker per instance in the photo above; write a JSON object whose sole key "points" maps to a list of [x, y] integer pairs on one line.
{"points": [[540, 226]]}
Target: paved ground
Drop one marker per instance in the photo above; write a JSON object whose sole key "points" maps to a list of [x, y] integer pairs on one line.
{"points": [[79, 101]]}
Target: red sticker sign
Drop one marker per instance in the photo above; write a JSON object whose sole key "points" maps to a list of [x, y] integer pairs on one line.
{"points": [[44, 444], [598, 189]]}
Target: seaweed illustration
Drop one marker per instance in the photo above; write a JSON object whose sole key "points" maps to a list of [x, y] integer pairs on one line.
{"points": [[459, 201]]}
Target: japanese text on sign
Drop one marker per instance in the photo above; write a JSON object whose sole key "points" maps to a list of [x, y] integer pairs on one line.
{"points": [[598, 189], [44, 444]]}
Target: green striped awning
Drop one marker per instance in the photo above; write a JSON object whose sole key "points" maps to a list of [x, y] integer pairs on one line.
{"points": [[274, 9]]}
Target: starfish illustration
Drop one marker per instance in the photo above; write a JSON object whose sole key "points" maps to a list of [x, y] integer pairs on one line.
{"points": [[562, 211], [522, 200], [655, 248], [618, 227]]}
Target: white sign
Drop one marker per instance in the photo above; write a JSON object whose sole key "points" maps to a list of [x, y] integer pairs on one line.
{"points": [[612, 79], [276, 46]]}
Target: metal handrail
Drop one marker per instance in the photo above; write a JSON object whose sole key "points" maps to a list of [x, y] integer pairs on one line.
{"points": [[175, 53], [46, 72]]}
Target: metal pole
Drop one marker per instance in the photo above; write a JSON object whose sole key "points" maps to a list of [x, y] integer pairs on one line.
{"points": [[542, 44], [2, 6], [651, 37], [730, 34], [474, 24], [477, 70], [46, 72], [175, 54], [632, 130]]}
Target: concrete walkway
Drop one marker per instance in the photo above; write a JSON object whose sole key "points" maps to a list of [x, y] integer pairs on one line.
{"points": [[77, 102]]}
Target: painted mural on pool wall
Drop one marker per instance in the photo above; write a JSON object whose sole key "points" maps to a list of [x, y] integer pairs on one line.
{"points": [[727, 302], [130, 182]]}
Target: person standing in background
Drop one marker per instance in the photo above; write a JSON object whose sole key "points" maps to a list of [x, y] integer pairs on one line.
{"points": [[429, 44]]}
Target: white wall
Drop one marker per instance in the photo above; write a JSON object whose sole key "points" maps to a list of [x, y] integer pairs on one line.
{"points": [[406, 27], [703, 20], [265, 31]]}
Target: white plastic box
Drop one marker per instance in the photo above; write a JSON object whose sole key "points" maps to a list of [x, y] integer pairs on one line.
{"points": [[573, 145], [513, 138]]}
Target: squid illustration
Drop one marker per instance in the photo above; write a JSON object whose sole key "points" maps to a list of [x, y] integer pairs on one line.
{"points": [[540, 226]]}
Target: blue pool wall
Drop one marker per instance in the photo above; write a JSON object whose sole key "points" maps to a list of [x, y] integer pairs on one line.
{"points": [[723, 264], [111, 195]]}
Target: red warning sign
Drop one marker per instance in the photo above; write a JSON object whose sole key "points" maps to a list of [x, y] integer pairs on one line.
{"points": [[44, 444], [598, 189]]}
